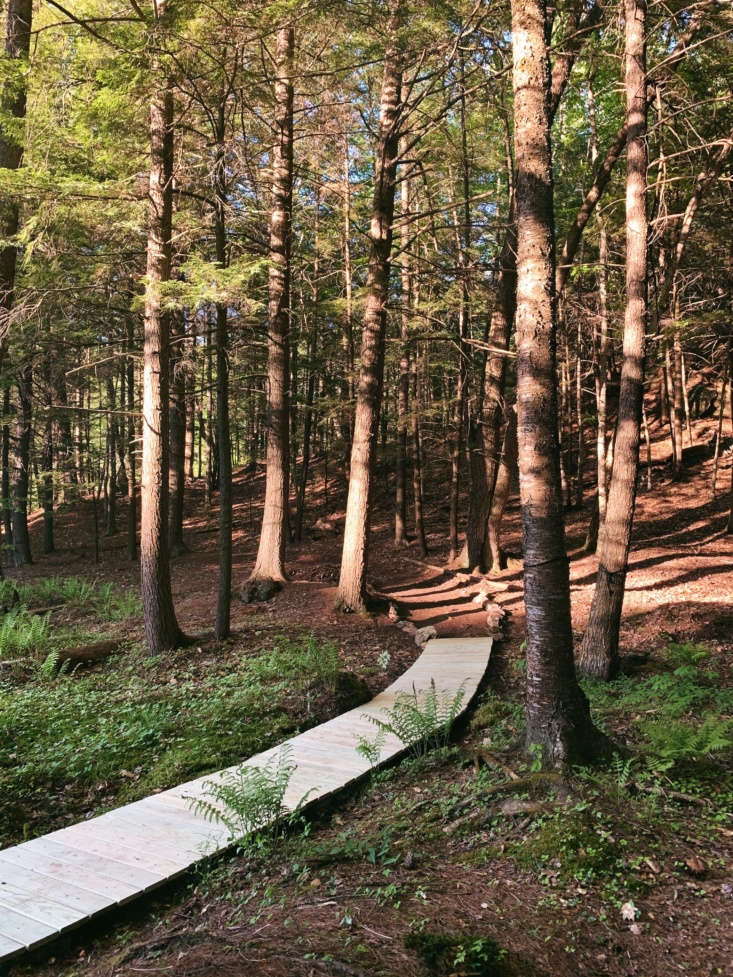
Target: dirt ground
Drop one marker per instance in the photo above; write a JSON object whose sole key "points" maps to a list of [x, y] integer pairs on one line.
{"points": [[679, 587]]}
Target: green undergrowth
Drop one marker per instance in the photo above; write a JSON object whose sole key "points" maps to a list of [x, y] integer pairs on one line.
{"points": [[102, 599], [680, 715], [83, 741]]}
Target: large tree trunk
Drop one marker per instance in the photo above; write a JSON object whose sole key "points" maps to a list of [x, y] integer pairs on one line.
{"points": [[161, 626], [352, 582], [270, 563], [599, 652], [558, 716], [13, 103]]}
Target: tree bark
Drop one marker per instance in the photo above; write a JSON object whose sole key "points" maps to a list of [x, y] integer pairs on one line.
{"points": [[270, 563], [310, 389], [112, 439], [557, 712], [161, 627], [403, 389], [13, 102], [599, 652], [177, 434], [7, 504], [352, 582], [21, 463]]}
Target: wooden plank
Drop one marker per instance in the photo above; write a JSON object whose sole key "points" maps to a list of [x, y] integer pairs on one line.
{"points": [[56, 872], [108, 845], [58, 881], [17, 928], [60, 859], [83, 900], [38, 907], [9, 948]]}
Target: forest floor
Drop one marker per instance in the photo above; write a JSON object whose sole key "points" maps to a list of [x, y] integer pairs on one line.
{"points": [[468, 860]]}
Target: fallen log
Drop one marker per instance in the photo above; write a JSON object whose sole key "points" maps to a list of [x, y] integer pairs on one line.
{"points": [[90, 653]]}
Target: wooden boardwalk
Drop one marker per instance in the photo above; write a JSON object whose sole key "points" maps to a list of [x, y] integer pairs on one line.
{"points": [[51, 884]]}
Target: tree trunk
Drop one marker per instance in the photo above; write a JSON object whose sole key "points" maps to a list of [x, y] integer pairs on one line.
{"points": [[557, 712], [507, 468], [21, 470], [270, 563], [222, 625], [352, 582], [161, 626], [113, 436], [599, 652], [310, 390], [403, 388], [177, 433], [422, 546], [131, 433], [13, 103], [7, 504]]}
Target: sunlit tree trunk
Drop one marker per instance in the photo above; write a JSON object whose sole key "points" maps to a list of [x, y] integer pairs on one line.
{"points": [[557, 712], [403, 390], [161, 626], [599, 653], [270, 562], [352, 581]]}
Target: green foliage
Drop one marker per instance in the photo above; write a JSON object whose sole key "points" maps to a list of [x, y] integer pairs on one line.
{"points": [[306, 658], [22, 633], [422, 721], [248, 800], [448, 953], [124, 729], [102, 599], [681, 714]]}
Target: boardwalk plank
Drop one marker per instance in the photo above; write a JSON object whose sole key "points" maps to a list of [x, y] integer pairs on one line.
{"points": [[60, 880]]}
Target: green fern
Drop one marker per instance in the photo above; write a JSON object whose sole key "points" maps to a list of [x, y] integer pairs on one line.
{"points": [[673, 739], [248, 800], [421, 725]]}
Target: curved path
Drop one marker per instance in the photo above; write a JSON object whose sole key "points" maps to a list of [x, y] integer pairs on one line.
{"points": [[54, 883]]}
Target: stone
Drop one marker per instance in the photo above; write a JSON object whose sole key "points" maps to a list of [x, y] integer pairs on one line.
{"points": [[423, 635]]}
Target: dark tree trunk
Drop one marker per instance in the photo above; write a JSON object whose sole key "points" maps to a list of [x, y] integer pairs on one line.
{"points": [[270, 562], [177, 433], [352, 582], [222, 626], [13, 103], [422, 546], [557, 712], [599, 653], [21, 469], [7, 504], [310, 390], [131, 454], [46, 485], [504, 477], [161, 627], [113, 436]]}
